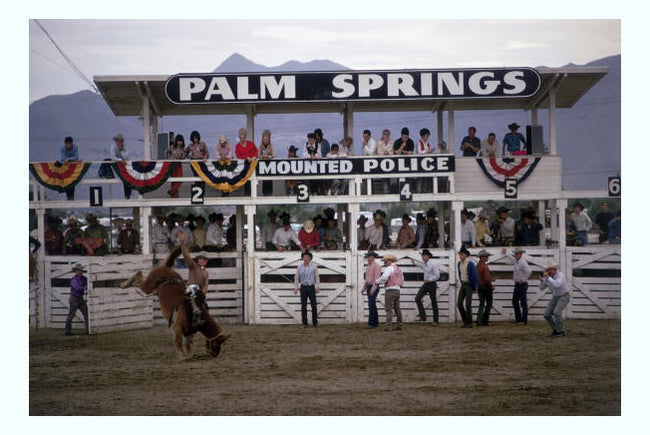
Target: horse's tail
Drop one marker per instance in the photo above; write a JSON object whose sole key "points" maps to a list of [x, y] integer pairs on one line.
{"points": [[172, 256]]}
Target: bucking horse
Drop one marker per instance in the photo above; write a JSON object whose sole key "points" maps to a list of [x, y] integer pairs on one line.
{"points": [[183, 307]]}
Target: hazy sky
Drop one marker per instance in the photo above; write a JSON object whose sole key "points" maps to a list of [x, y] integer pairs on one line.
{"points": [[116, 47]]}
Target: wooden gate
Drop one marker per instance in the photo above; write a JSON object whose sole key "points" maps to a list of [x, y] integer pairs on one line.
{"points": [[275, 300], [594, 274]]}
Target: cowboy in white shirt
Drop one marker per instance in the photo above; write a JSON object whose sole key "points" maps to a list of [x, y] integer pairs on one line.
{"points": [[555, 281], [369, 145]]}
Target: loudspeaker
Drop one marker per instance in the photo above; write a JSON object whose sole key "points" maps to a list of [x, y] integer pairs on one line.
{"points": [[163, 142], [534, 139]]}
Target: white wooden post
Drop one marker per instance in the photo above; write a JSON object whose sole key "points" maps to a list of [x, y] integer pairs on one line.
{"points": [[441, 223], [40, 264], [145, 215], [454, 221], [541, 213], [348, 124], [451, 131], [239, 224], [440, 127], [249, 265], [561, 207]]}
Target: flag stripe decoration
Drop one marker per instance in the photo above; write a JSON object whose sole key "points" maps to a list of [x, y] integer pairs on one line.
{"points": [[59, 176], [225, 175], [497, 169], [144, 176]]}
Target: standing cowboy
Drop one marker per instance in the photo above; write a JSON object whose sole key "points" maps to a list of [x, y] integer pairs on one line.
{"points": [[555, 281], [373, 272], [394, 279], [78, 286], [468, 283], [485, 289], [307, 280], [431, 275], [520, 274]]}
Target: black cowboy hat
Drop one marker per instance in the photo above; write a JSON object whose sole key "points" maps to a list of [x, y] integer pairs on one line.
{"points": [[426, 252], [371, 254], [463, 250], [513, 126], [407, 217]]}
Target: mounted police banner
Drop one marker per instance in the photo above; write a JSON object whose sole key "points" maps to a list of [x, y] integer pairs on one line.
{"points": [[59, 176], [498, 169], [225, 175], [144, 176]]}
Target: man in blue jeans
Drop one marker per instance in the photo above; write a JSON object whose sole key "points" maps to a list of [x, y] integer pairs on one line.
{"points": [[78, 286], [373, 272], [520, 274], [307, 280], [555, 281], [468, 277]]}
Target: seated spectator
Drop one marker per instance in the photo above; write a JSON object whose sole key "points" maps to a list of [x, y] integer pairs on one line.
{"points": [[69, 153], [346, 147], [95, 239], [470, 145], [197, 149], [421, 230], [362, 240], [337, 186], [285, 238], [530, 228], [268, 230], [160, 235], [582, 222], [385, 148], [601, 222], [514, 142], [504, 228], [333, 237], [178, 228], [375, 232], [322, 144], [441, 148], [224, 149], [491, 147], [72, 238], [406, 235], [310, 150], [128, 239], [176, 151], [231, 234], [309, 239], [53, 236], [266, 153], [199, 234], [467, 230], [483, 232], [320, 228], [432, 235], [119, 154], [404, 145], [290, 185], [614, 230], [214, 235], [570, 229], [368, 145], [424, 147]]}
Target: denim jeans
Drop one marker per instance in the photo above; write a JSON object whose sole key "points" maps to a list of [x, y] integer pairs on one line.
{"points": [[308, 292], [76, 303], [465, 303], [553, 312], [373, 314], [520, 302], [485, 304], [429, 288]]}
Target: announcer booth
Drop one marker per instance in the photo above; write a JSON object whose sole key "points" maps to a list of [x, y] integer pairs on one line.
{"points": [[253, 285]]}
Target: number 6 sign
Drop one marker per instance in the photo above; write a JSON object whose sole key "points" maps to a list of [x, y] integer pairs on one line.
{"points": [[614, 186]]}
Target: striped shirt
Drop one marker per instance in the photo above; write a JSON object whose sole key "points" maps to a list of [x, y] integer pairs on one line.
{"points": [[306, 275]]}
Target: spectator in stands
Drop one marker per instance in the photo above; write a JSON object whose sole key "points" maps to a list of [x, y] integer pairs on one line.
{"points": [[429, 286], [582, 222], [290, 185], [406, 235], [368, 145], [468, 277], [441, 148], [181, 228], [467, 230], [424, 147], [555, 281], [420, 230], [520, 274], [160, 235], [199, 234], [346, 149], [69, 154], [266, 153], [491, 147], [197, 149], [373, 273], [570, 228], [176, 152], [485, 289], [308, 237], [223, 149], [128, 239], [333, 237], [306, 279], [119, 154], [614, 230], [432, 235], [285, 238], [362, 239], [268, 230], [530, 229], [214, 235], [311, 150], [470, 145], [53, 236], [246, 150], [95, 237], [513, 142], [385, 148], [72, 238], [231, 234], [504, 228], [483, 232], [337, 186], [320, 228], [602, 220], [404, 145], [322, 144], [386, 228], [375, 232]]}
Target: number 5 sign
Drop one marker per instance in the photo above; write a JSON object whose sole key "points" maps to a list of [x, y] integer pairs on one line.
{"points": [[614, 186], [510, 188]]}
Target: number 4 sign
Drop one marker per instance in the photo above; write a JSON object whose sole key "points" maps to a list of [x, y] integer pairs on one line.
{"points": [[405, 193]]}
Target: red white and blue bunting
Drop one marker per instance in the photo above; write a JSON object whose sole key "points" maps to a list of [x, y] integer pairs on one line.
{"points": [[227, 176], [497, 169], [59, 176], [144, 176]]}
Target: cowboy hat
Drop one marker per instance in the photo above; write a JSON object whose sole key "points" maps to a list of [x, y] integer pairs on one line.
{"points": [[513, 126], [552, 265], [292, 149], [518, 250], [202, 254], [407, 217], [118, 137], [426, 252], [308, 226], [463, 250], [78, 266], [272, 213], [90, 217], [389, 257], [484, 253], [371, 254]]}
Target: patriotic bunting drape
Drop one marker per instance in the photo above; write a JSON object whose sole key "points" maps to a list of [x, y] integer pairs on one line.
{"points": [[226, 176], [144, 176], [497, 169], [59, 176]]}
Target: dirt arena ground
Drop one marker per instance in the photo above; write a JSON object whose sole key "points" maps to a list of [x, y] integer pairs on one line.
{"points": [[503, 369]]}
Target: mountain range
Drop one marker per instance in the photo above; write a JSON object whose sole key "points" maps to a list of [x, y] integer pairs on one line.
{"points": [[588, 135]]}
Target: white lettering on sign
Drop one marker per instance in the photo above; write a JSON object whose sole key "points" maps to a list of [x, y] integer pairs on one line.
{"points": [[453, 85], [482, 87], [188, 86], [515, 80], [242, 90], [219, 86], [342, 82], [369, 82], [401, 84], [286, 84]]}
